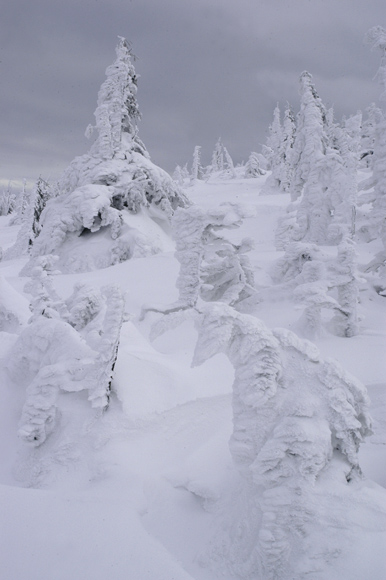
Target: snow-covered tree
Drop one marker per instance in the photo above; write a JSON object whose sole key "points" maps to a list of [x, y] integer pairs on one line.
{"points": [[286, 150], [346, 278], [324, 163], [211, 267], [178, 175], [272, 152], [342, 160], [252, 166], [274, 140], [368, 134], [311, 139], [197, 171], [41, 194], [7, 200], [376, 219], [217, 163], [67, 346], [100, 191], [317, 281], [229, 167], [298, 422]]}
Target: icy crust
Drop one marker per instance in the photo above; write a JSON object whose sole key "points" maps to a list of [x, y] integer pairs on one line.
{"points": [[298, 421]]}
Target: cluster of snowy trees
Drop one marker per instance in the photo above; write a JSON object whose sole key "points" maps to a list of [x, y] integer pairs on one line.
{"points": [[316, 160], [296, 417], [221, 166]]}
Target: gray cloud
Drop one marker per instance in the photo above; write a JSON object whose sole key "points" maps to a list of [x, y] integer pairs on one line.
{"points": [[208, 68]]}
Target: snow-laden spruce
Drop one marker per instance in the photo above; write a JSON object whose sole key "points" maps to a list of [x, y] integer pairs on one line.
{"points": [[32, 206], [212, 268], [322, 174], [298, 422], [69, 345], [375, 187], [104, 191], [318, 281], [279, 152]]}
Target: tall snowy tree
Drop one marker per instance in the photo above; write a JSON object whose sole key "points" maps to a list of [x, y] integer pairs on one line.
{"points": [[217, 163], [376, 220], [311, 138], [286, 150], [100, 190], [197, 171], [272, 152]]}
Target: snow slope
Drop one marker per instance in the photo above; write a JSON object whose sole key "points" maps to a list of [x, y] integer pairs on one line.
{"points": [[148, 490]]}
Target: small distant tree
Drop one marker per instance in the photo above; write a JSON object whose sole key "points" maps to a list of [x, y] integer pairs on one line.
{"points": [[217, 163], [7, 200], [178, 175], [252, 167], [228, 164], [272, 152], [197, 171], [311, 139]]}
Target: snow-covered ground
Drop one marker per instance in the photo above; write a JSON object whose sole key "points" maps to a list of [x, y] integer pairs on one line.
{"points": [[148, 490]]}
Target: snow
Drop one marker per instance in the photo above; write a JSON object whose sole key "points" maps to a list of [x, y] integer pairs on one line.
{"points": [[148, 489]]}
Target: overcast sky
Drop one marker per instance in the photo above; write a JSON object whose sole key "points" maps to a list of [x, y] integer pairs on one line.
{"points": [[208, 68]]}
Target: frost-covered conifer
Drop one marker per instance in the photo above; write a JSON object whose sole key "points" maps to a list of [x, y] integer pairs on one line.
{"points": [[345, 278], [368, 135], [7, 200], [317, 282], [298, 422], [274, 139], [217, 163], [342, 159], [45, 300], [286, 150], [211, 267], [272, 152], [178, 175], [42, 193], [101, 375], [99, 191], [310, 140], [228, 164], [197, 171], [68, 345], [376, 219], [252, 166]]}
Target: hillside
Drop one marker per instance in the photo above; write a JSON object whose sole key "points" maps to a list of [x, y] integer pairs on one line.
{"points": [[148, 489]]}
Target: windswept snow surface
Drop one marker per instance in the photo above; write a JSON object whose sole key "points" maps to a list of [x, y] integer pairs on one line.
{"points": [[148, 490]]}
